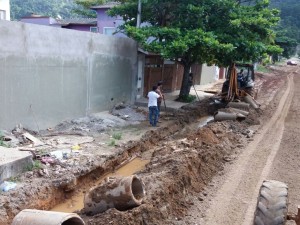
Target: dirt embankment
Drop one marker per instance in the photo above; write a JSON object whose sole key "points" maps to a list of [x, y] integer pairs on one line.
{"points": [[184, 159]]}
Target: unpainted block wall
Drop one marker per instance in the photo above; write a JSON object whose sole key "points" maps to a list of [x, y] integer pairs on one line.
{"points": [[48, 74]]}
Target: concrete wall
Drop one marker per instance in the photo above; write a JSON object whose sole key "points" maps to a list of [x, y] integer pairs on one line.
{"points": [[5, 5], [51, 74], [209, 74]]}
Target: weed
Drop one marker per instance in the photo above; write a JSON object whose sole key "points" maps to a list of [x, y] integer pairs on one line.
{"points": [[263, 69], [34, 166], [14, 179], [112, 142], [186, 98], [2, 143], [117, 136]]}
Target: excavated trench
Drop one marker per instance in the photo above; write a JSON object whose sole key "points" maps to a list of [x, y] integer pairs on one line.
{"points": [[177, 161]]}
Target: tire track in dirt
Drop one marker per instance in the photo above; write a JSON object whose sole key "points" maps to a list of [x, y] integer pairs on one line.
{"points": [[235, 200]]}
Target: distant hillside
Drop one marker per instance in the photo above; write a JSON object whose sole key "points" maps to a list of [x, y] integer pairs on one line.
{"points": [[290, 17], [54, 8]]}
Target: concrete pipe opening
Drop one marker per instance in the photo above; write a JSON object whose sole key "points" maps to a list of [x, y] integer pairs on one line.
{"points": [[73, 221], [38, 217], [137, 189], [122, 193]]}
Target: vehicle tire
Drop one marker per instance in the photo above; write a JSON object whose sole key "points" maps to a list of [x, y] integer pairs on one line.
{"points": [[272, 204]]}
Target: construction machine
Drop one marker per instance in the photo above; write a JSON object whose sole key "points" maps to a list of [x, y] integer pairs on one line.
{"points": [[239, 82]]}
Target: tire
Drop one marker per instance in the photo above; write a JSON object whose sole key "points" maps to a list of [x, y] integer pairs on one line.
{"points": [[272, 204]]}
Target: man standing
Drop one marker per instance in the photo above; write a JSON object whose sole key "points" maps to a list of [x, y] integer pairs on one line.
{"points": [[152, 105]]}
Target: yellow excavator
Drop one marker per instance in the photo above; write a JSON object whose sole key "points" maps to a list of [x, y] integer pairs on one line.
{"points": [[239, 82]]}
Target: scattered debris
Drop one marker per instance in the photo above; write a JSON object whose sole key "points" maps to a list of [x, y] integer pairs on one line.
{"points": [[7, 185], [36, 142]]}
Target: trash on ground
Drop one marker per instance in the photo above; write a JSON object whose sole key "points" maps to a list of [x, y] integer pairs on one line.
{"points": [[7, 185]]}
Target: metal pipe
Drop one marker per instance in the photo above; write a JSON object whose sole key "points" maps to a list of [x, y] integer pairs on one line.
{"points": [[121, 193], [38, 217], [139, 14]]}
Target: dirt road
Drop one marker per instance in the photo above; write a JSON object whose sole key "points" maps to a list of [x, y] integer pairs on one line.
{"points": [[273, 154], [207, 174]]}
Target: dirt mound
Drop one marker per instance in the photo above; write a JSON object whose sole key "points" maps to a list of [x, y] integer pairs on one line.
{"points": [[178, 170]]}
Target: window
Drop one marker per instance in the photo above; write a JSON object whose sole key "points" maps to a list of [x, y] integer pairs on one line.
{"points": [[109, 30], [94, 29], [2, 14]]}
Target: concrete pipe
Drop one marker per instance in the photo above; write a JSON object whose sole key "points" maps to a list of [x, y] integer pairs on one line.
{"points": [[234, 110], [121, 193], [238, 105], [220, 116], [251, 101], [38, 217]]}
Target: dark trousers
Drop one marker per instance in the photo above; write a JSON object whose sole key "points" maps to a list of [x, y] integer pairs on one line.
{"points": [[153, 115]]}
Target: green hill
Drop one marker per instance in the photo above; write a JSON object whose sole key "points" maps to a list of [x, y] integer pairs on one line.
{"points": [[54, 8]]}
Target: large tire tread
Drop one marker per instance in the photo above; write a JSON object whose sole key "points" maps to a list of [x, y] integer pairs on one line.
{"points": [[272, 204]]}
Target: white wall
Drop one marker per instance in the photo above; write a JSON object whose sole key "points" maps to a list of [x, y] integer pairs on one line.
{"points": [[51, 74], [4, 5], [209, 74]]}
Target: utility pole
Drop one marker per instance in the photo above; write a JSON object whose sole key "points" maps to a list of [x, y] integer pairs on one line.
{"points": [[139, 14]]}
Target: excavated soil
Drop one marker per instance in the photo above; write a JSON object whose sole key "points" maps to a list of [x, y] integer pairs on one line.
{"points": [[184, 159]]}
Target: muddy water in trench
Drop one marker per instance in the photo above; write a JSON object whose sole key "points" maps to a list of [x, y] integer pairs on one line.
{"points": [[76, 202]]}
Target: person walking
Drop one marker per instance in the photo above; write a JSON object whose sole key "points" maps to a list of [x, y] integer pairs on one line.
{"points": [[159, 100], [152, 105]]}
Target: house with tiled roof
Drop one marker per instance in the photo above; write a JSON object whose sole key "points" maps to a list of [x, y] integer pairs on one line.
{"points": [[80, 24]]}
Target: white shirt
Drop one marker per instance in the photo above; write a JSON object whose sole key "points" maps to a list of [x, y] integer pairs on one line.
{"points": [[152, 98]]}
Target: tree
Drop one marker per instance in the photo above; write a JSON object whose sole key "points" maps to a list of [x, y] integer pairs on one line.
{"points": [[85, 5], [203, 31], [54, 8]]}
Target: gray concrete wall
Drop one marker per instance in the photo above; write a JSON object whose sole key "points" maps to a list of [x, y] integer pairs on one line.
{"points": [[48, 74], [208, 74]]}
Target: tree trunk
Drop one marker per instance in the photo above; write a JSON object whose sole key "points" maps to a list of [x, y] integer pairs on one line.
{"points": [[185, 89]]}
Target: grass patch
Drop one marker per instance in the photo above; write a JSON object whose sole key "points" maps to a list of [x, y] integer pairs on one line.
{"points": [[2, 143], [14, 179], [262, 69], [117, 136], [186, 98], [112, 142], [36, 165]]}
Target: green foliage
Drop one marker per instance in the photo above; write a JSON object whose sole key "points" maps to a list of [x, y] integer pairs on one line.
{"points": [[2, 143], [14, 179], [204, 31], [112, 142], [53, 8], [290, 17], [117, 136], [85, 5], [263, 69], [35, 165]]}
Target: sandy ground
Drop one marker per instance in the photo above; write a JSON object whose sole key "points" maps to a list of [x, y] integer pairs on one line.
{"points": [[207, 175]]}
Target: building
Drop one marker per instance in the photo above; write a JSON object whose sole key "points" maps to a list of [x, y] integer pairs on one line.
{"points": [[4, 10], [80, 24], [106, 24]]}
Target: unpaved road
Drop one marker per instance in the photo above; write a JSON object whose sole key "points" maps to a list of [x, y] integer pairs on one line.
{"points": [[273, 154], [196, 175]]}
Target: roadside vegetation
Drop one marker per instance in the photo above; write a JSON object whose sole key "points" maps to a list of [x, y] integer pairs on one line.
{"points": [[218, 32]]}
